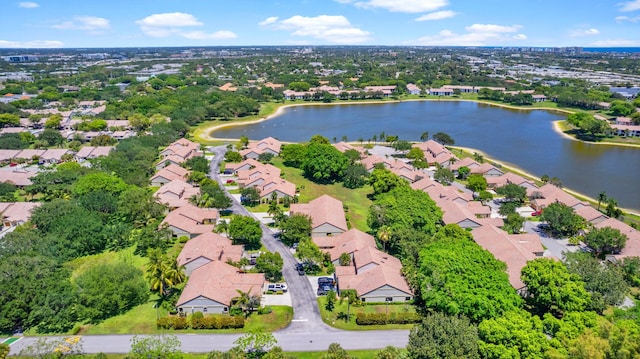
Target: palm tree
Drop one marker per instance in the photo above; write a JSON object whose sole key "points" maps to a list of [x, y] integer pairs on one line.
{"points": [[163, 273], [247, 302], [424, 136], [384, 234], [602, 197], [352, 296]]}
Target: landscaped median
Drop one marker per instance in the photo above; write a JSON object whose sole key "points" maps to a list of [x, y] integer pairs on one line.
{"points": [[371, 316]]}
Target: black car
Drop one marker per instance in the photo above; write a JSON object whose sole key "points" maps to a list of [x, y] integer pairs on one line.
{"points": [[324, 289], [325, 281], [300, 268]]}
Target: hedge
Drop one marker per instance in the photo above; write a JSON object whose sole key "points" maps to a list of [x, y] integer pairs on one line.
{"points": [[381, 318], [201, 322]]}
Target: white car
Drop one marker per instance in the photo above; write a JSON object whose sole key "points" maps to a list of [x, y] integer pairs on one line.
{"points": [[275, 287]]}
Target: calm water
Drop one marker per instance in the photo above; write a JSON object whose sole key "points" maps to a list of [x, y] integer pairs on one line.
{"points": [[523, 138]]}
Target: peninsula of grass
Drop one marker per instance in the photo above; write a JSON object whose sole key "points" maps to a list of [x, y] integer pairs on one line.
{"points": [[331, 318], [355, 201]]}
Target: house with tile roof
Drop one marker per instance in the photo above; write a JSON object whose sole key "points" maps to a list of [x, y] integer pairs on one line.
{"points": [[256, 148], [549, 194], [176, 193], [514, 250], [632, 247], [168, 174], [212, 288], [327, 215], [189, 220], [16, 213], [89, 152], [487, 170], [18, 177], [205, 248]]}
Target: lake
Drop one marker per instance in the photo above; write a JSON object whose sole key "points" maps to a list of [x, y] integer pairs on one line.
{"points": [[525, 139]]}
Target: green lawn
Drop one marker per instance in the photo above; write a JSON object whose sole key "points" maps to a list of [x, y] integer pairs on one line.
{"points": [[355, 200], [80, 265], [331, 318], [142, 320]]}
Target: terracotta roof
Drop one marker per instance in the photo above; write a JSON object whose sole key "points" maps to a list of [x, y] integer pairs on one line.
{"points": [[347, 242], [8, 154], [29, 154], [220, 282], [93, 151], [262, 146], [17, 212], [54, 154], [590, 214], [552, 194], [192, 219], [484, 168], [386, 271], [513, 253], [632, 247], [478, 208], [456, 214], [507, 178], [370, 161], [465, 162], [323, 210], [277, 184], [423, 183], [176, 193], [18, 178], [171, 172], [249, 163], [211, 246]]}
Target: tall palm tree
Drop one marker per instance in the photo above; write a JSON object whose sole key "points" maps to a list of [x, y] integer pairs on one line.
{"points": [[163, 272], [424, 136], [384, 235], [602, 197]]}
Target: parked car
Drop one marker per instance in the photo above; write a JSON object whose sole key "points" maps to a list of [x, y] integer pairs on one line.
{"points": [[275, 287], [324, 289], [325, 281]]}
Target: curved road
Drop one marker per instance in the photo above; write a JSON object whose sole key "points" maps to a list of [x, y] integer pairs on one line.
{"points": [[307, 331]]}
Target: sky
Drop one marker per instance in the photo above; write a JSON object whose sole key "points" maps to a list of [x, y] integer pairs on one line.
{"points": [[142, 23]]}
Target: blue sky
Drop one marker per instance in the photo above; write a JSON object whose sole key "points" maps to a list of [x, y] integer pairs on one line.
{"points": [[137, 23]]}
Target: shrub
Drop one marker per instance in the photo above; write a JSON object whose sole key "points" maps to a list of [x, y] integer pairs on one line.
{"points": [[264, 310], [381, 318]]}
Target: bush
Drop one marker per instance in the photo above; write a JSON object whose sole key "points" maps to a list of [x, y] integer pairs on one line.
{"points": [[200, 321], [177, 323], [381, 318], [264, 310]]}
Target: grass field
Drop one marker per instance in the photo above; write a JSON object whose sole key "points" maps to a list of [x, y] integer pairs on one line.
{"points": [[331, 318], [142, 320], [358, 354], [355, 200]]}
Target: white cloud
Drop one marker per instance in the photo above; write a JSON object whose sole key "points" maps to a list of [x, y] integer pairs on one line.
{"points": [[626, 18], [408, 6], [29, 5], [616, 43], [628, 6], [584, 32], [174, 24], [201, 35], [476, 35], [438, 15], [333, 29], [35, 44], [87, 23], [268, 21], [173, 19]]}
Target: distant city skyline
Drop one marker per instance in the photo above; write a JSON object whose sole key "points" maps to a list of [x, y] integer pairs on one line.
{"points": [[146, 23]]}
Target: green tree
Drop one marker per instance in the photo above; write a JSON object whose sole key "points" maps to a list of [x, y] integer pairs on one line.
{"points": [[243, 142], [384, 235], [99, 182], [463, 172], [324, 163], [295, 228], [245, 230], [248, 302], [355, 176], [443, 138], [382, 180], [443, 337], [250, 196], [512, 192], [605, 240], [390, 352], [335, 351], [417, 156], [9, 120], [476, 183], [256, 344], [293, 155], [513, 223], [198, 164], [458, 277], [552, 289], [351, 296], [516, 334], [163, 272], [404, 207], [424, 136], [109, 289], [232, 156], [51, 137], [485, 196], [602, 197], [51, 348], [155, 346], [271, 265], [444, 176], [562, 220], [604, 281], [330, 301]]}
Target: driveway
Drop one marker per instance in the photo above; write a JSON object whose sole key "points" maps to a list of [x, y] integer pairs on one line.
{"points": [[554, 247], [306, 315]]}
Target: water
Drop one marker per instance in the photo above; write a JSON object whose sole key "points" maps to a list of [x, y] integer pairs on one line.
{"points": [[522, 138]]}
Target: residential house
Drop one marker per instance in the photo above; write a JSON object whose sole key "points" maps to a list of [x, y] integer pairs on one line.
{"points": [[327, 215], [539, 98], [189, 220], [16, 213], [514, 250], [205, 248], [510, 178], [436, 154], [89, 152], [487, 170], [386, 90], [465, 162], [549, 194], [282, 189], [234, 168], [212, 288], [591, 214], [18, 177], [413, 89], [168, 174], [632, 247], [176, 193], [256, 148], [441, 92], [53, 155]]}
